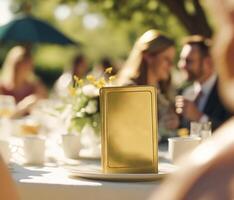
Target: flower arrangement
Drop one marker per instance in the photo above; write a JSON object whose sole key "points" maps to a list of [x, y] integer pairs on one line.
{"points": [[84, 101]]}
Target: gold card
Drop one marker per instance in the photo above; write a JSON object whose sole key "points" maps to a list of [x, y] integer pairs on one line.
{"points": [[129, 133]]}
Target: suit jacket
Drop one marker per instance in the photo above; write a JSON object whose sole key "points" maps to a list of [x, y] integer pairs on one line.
{"points": [[214, 109]]}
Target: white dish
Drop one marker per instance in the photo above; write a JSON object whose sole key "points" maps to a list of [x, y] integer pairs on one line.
{"points": [[93, 171]]}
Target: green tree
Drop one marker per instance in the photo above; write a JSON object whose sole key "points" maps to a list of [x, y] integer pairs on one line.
{"points": [[189, 13], [123, 20]]}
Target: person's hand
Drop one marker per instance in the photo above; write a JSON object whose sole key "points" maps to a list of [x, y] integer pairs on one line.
{"points": [[171, 121], [179, 104], [25, 105], [190, 111], [187, 108]]}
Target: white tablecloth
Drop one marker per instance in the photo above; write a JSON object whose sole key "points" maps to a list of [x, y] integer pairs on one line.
{"points": [[52, 183]]}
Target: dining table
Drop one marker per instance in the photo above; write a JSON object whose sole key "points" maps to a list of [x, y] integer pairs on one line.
{"points": [[53, 181]]}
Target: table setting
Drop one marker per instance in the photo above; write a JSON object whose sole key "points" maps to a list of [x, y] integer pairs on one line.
{"points": [[72, 144]]}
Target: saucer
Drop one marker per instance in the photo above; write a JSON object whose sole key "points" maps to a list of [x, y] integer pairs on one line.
{"points": [[93, 171]]}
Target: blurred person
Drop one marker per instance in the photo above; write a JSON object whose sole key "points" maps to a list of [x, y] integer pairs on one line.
{"points": [[8, 188], [207, 172], [200, 101], [98, 70], [19, 80], [106, 63], [79, 68], [150, 63]]}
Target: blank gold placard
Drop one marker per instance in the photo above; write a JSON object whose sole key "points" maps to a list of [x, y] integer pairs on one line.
{"points": [[129, 137]]}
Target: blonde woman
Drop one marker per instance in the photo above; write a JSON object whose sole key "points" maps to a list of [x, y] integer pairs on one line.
{"points": [[18, 78], [150, 63]]}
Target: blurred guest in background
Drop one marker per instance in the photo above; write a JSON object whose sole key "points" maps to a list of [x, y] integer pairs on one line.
{"points": [[150, 63], [106, 63], [207, 172], [200, 101], [19, 80], [79, 68], [98, 70]]}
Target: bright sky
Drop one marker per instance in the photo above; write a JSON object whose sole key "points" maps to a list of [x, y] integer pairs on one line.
{"points": [[5, 11], [90, 21]]}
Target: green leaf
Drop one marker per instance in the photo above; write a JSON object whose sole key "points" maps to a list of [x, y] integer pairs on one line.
{"points": [[78, 124]]}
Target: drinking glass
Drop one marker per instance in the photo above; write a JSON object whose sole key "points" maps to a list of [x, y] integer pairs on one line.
{"points": [[7, 109], [206, 130], [195, 129], [201, 129], [7, 106]]}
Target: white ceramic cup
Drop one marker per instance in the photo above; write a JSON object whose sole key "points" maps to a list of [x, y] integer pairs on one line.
{"points": [[178, 146], [71, 145], [34, 150], [5, 151]]}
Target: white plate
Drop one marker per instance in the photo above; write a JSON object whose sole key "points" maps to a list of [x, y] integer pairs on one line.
{"points": [[93, 171]]}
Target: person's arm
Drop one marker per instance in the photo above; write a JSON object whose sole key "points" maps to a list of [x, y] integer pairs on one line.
{"points": [[8, 189], [41, 90], [25, 105]]}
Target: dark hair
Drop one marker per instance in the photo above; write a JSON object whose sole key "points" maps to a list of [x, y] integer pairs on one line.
{"points": [[106, 62], [78, 59], [201, 42]]}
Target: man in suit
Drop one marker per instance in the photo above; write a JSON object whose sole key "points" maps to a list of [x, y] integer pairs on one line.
{"points": [[200, 101]]}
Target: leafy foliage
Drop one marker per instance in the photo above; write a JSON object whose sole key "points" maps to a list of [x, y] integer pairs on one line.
{"points": [[121, 23]]}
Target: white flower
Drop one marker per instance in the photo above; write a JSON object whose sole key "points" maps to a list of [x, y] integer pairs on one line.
{"points": [[90, 90], [91, 107]]}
